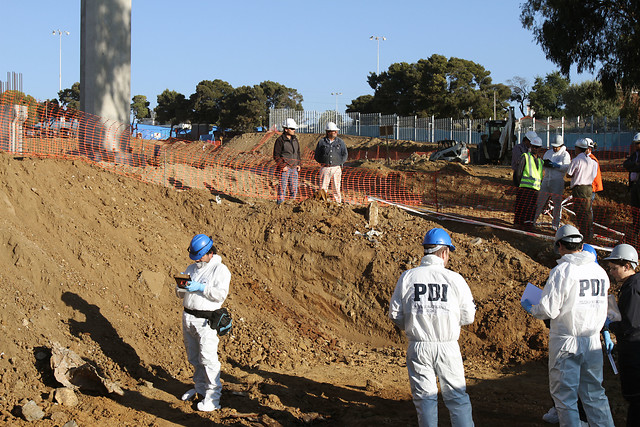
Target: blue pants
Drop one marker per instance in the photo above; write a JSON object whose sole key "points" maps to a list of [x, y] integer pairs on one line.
{"points": [[288, 181]]}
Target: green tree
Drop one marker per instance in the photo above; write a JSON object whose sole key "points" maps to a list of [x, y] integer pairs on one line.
{"points": [[172, 108], [547, 95], [362, 104], [589, 99], [243, 109], [70, 97], [16, 97], [208, 100], [435, 86], [139, 108]]}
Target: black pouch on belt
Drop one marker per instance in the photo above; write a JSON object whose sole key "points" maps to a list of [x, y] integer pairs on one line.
{"points": [[220, 320]]}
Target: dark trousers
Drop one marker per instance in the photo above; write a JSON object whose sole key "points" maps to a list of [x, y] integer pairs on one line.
{"points": [[525, 208], [635, 210], [629, 364], [582, 204]]}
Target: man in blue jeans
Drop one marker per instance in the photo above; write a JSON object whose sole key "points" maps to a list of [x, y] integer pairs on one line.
{"points": [[286, 153]]}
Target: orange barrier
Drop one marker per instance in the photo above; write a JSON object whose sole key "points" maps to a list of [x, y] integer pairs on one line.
{"points": [[48, 131]]}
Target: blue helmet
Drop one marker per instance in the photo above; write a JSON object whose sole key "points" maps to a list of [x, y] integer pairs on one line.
{"points": [[437, 236], [588, 248], [200, 245]]}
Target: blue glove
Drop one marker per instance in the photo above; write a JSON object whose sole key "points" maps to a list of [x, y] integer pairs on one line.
{"points": [[607, 322], [555, 165], [608, 344], [526, 304], [193, 286]]}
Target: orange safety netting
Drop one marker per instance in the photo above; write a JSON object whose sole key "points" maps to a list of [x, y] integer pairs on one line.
{"points": [[29, 128]]}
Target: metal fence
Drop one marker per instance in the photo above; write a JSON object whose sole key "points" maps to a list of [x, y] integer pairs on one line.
{"points": [[610, 134]]}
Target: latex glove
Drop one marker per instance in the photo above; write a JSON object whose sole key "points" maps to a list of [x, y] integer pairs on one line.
{"points": [[526, 304], [607, 322], [608, 344], [193, 286], [555, 165]]}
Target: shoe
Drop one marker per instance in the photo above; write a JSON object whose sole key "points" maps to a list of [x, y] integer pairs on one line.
{"points": [[551, 416], [208, 405], [189, 394]]}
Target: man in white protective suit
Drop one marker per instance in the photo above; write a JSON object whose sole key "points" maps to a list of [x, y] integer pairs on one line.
{"points": [[575, 299], [204, 293], [430, 303], [556, 162]]}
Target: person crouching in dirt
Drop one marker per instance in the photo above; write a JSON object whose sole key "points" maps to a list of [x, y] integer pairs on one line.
{"points": [[204, 293], [575, 299], [430, 303], [286, 153], [556, 162], [622, 264], [331, 152], [518, 150], [582, 171], [529, 179]]}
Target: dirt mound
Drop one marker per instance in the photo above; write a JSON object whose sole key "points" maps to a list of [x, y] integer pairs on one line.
{"points": [[87, 258]]}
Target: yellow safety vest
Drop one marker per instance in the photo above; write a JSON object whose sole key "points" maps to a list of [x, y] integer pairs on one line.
{"points": [[532, 173]]}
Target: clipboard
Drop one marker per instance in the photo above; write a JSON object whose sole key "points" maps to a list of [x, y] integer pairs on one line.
{"points": [[181, 280], [531, 293]]}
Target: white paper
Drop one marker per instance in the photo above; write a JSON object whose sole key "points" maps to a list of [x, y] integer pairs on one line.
{"points": [[613, 364], [613, 312], [532, 293]]}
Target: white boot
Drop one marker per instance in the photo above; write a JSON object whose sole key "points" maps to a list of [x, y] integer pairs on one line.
{"points": [[189, 394], [551, 416], [208, 405]]}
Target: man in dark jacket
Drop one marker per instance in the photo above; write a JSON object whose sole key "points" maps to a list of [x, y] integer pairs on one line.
{"points": [[331, 153], [632, 164], [286, 153]]}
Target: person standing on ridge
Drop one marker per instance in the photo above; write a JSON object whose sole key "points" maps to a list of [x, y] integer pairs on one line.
{"points": [[331, 152], [286, 153]]}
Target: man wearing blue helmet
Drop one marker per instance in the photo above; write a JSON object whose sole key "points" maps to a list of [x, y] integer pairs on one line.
{"points": [[204, 293], [430, 303]]}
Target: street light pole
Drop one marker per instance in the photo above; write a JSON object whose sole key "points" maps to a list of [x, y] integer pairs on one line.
{"points": [[60, 33], [336, 94], [377, 39]]}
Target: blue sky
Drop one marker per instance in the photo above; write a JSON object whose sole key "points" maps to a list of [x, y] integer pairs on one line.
{"points": [[318, 48]]}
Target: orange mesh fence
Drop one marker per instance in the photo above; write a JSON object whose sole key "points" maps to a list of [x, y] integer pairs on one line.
{"points": [[30, 128]]}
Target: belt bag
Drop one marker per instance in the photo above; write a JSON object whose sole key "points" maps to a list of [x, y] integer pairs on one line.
{"points": [[219, 319]]}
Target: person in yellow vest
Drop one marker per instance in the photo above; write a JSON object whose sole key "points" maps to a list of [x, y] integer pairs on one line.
{"points": [[528, 177]]}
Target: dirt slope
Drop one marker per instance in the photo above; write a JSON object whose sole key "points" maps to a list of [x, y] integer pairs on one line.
{"points": [[86, 260]]}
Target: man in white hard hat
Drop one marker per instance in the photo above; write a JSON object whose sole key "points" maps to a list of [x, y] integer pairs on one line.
{"points": [[623, 263], [286, 153], [430, 303], [575, 299], [556, 163], [529, 179], [518, 150], [331, 152], [632, 165], [582, 171]]}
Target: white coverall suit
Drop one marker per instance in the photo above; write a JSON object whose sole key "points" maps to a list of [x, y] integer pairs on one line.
{"points": [[553, 184], [200, 340], [575, 299], [430, 303]]}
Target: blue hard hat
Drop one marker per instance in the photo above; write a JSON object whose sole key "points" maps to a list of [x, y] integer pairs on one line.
{"points": [[588, 248], [199, 246], [438, 236]]}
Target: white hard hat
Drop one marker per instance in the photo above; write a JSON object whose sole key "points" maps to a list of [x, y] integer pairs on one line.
{"points": [[290, 124], [582, 143], [624, 252], [569, 234], [331, 126], [530, 135], [590, 142], [636, 137], [557, 141], [536, 142]]}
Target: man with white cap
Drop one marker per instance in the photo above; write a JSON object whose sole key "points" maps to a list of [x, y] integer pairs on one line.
{"points": [[575, 299], [632, 165], [430, 303], [528, 176], [556, 163], [582, 171], [331, 152], [518, 150], [286, 153]]}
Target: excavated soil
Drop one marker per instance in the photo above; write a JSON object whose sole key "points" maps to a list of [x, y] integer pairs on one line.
{"points": [[87, 258]]}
